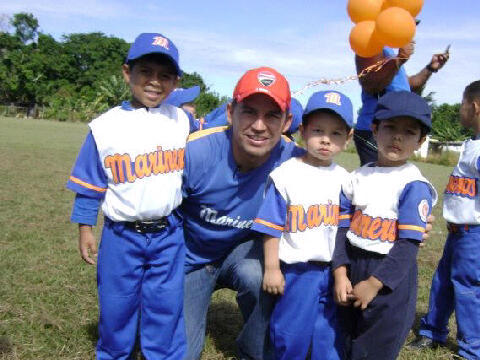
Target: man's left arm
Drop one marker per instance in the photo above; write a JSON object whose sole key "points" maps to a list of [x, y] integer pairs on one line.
{"points": [[417, 82]]}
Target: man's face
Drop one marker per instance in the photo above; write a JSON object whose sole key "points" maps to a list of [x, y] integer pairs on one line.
{"points": [[150, 82], [257, 123]]}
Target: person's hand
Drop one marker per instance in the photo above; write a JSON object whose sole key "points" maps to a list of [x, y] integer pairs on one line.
{"points": [[342, 291], [273, 281], [438, 60], [87, 244], [365, 291], [405, 52], [428, 228]]}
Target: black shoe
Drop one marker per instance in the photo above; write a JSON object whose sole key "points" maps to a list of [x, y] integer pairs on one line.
{"points": [[422, 342]]}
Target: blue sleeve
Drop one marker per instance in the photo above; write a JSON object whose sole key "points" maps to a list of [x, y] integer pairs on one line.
{"points": [[477, 163], [85, 210], [414, 206], [88, 177], [346, 211], [272, 214], [340, 253], [397, 263], [194, 123]]}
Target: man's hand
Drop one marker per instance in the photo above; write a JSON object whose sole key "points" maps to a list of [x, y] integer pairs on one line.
{"points": [[87, 244], [342, 291], [273, 281], [428, 228], [365, 291], [438, 60]]}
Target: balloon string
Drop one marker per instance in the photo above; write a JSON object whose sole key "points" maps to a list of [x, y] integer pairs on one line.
{"points": [[372, 68]]}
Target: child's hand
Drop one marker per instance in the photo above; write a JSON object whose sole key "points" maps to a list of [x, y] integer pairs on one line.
{"points": [[273, 281], [87, 244], [342, 291], [365, 291]]}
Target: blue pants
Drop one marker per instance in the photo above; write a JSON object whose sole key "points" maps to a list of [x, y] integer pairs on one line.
{"points": [[241, 271], [140, 284], [306, 315], [456, 287], [379, 331]]}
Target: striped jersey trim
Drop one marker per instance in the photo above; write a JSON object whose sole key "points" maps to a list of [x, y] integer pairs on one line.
{"points": [[268, 224], [87, 185], [411, 227], [201, 133]]}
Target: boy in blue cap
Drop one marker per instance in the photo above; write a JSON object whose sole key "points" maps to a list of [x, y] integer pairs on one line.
{"points": [[383, 211], [299, 218], [132, 163]]}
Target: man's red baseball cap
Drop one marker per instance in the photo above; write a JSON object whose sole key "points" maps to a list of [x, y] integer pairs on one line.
{"points": [[264, 80]]}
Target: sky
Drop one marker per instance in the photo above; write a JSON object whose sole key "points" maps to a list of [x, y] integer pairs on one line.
{"points": [[304, 40]]}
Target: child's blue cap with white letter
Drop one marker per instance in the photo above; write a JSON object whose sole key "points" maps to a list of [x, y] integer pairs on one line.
{"points": [[331, 100], [404, 103], [153, 43]]}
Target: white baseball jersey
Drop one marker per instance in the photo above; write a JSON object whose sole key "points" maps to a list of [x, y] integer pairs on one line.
{"points": [[461, 203], [387, 202], [310, 197], [142, 154]]}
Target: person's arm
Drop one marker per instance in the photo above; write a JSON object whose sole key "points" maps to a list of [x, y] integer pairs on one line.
{"points": [[417, 82], [375, 82], [273, 280]]}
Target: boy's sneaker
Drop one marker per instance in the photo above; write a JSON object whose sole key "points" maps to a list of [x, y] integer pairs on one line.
{"points": [[423, 342]]}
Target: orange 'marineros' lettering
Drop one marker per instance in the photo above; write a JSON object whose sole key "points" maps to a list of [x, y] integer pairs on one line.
{"points": [[462, 186], [299, 220], [373, 228], [156, 162]]}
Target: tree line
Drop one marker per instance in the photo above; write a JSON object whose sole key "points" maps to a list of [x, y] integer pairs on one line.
{"points": [[75, 78], [79, 76]]}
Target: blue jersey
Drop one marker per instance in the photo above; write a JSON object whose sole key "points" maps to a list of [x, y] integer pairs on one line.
{"points": [[220, 202]]}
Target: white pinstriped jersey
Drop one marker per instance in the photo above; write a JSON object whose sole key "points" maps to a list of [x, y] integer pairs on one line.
{"points": [[142, 154], [461, 202], [384, 209]]}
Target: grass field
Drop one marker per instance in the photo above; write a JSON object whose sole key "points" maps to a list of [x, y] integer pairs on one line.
{"points": [[48, 306]]}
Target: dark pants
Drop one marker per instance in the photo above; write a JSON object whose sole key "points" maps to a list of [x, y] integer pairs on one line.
{"points": [[379, 331], [366, 146]]}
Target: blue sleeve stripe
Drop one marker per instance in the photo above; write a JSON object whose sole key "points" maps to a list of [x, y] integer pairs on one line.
{"points": [[269, 224], [87, 185]]}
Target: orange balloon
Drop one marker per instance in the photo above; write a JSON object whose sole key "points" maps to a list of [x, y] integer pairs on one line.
{"points": [[412, 6], [395, 27], [363, 39], [363, 10]]}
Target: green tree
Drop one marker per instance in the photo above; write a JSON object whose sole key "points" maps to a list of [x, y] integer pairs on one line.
{"points": [[26, 27], [446, 124]]}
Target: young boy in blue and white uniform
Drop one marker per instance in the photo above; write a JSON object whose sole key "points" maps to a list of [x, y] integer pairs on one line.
{"points": [[299, 218], [388, 202], [132, 163], [456, 283]]}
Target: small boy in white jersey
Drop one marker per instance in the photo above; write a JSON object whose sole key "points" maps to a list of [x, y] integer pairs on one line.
{"points": [[456, 283], [388, 203], [299, 218], [132, 163]]}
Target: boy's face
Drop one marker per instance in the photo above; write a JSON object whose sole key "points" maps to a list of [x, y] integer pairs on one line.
{"points": [[150, 81], [397, 138], [257, 125], [325, 136], [467, 113]]}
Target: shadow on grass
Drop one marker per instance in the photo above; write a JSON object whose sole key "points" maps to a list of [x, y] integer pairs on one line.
{"points": [[224, 323], [6, 346]]}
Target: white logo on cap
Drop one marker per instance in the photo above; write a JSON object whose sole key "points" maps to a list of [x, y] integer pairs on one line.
{"points": [[266, 78], [160, 41], [334, 98]]}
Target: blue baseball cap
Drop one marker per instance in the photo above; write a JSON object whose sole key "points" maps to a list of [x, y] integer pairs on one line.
{"points": [[180, 96], [296, 110], [331, 100], [153, 43], [404, 103]]}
